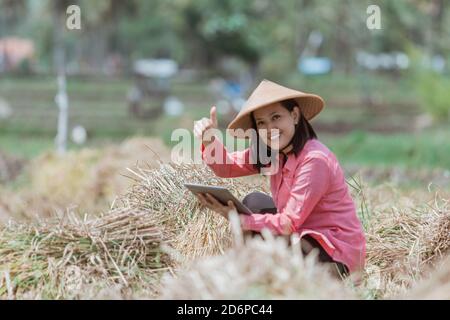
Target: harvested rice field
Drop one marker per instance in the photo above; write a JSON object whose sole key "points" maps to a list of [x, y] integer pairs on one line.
{"points": [[117, 223]]}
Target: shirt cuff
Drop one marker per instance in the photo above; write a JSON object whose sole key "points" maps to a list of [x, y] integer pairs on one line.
{"points": [[247, 222]]}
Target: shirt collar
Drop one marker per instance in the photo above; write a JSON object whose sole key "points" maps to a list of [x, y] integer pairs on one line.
{"points": [[292, 158], [291, 162]]}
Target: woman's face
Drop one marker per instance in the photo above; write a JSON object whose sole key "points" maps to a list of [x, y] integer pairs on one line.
{"points": [[276, 125]]}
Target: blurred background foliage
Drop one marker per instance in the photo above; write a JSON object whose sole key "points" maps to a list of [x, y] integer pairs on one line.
{"points": [[197, 33], [366, 107]]}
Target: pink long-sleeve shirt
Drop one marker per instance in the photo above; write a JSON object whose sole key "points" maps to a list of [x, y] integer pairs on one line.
{"points": [[311, 196]]}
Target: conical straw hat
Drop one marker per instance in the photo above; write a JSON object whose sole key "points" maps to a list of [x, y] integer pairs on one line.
{"points": [[269, 92]]}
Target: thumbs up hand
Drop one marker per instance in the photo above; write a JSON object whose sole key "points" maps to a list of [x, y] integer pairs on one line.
{"points": [[204, 124]]}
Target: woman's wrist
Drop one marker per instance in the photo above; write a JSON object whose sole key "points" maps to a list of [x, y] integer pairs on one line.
{"points": [[243, 221]]}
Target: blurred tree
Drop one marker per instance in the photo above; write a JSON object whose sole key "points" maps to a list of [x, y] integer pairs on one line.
{"points": [[10, 15], [100, 35], [197, 33], [149, 29], [264, 34]]}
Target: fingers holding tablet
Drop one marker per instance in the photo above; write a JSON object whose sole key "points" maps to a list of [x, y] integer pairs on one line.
{"points": [[213, 204], [218, 197]]}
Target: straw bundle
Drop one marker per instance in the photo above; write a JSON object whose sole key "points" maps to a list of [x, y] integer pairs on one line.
{"points": [[158, 226], [120, 247], [107, 175], [10, 167], [437, 286], [87, 180], [260, 269], [436, 234], [404, 239], [196, 231]]}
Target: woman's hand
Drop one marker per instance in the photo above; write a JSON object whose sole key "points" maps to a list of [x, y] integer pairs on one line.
{"points": [[204, 124], [211, 203]]}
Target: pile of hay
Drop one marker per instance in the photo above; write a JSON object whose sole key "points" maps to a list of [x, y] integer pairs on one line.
{"points": [[158, 227], [56, 260], [260, 269], [437, 286], [88, 180], [10, 167], [401, 176], [406, 235], [121, 247], [25, 205], [197, 232]]}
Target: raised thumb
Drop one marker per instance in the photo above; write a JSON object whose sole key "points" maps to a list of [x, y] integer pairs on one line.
{"points": [[213, 116]]}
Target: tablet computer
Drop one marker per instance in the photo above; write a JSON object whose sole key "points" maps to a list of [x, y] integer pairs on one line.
{"points": [[223, 195]]}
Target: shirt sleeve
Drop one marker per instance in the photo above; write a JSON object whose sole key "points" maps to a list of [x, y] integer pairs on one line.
{"points": [[225, 164], [309, 186]]}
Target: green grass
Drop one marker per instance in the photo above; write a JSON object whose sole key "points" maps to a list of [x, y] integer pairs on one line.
{"points": [[429, 149], [343, 87], [28, 147], [25, 146], [100, 106]]}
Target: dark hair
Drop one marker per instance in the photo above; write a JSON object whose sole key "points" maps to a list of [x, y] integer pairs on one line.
{"points": [[303, 132]]}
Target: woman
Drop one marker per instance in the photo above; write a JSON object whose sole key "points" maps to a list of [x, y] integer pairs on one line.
{"points": [[310, 195]]}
